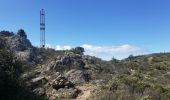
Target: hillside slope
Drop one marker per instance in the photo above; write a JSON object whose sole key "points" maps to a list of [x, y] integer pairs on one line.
{"points": [[69, 74]]}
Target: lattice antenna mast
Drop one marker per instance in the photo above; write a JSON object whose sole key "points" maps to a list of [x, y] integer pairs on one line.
{"points": [[42, 28]]}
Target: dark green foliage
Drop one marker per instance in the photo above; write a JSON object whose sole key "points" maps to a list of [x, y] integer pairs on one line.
{"points": [[22, 33], [130, 57], [114, 60], [10, 70], [6, 33], [11, 86], [114, 85], [9, 66], [78, 50]]}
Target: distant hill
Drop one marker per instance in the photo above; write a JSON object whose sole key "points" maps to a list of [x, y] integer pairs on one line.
{"points": [[69, 74]]}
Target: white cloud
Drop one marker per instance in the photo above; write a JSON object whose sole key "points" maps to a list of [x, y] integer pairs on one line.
{"points": [[111, 49], [107, 52], [66, 47]]}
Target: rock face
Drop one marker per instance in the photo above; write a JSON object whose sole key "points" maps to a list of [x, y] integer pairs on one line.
{"points": [[20, 45], [76, 76], [66, 62], [25, 55]]}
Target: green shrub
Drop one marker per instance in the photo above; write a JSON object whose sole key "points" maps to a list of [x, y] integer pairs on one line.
{"points": [[114, 85], [78, 50], [146, 97], [11, 86], [6, 33], [22, 33]]}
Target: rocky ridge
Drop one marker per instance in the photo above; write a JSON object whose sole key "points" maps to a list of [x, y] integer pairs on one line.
{"points": [[69, 74]]}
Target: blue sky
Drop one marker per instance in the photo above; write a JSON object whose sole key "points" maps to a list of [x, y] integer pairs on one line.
{"points": [[105, 28]]}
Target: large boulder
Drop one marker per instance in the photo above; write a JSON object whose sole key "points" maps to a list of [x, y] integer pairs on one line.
{"points": [[17, 43], [76, 76], [61, 82], [66, 62], [21, 46]]}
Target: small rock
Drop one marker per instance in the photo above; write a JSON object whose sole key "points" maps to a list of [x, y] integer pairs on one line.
{"points": [[69, 93], [39, 91], [38, 81]]}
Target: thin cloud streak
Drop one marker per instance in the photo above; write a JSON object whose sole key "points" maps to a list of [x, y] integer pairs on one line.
{"points": [[107, 52], [111, 49]]}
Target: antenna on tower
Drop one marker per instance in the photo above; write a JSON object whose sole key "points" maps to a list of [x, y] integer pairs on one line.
{"points": [[42, 28]]}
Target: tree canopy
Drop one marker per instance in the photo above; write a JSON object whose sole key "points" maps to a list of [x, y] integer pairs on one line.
{"points": [[78, 50], [21, 33]]}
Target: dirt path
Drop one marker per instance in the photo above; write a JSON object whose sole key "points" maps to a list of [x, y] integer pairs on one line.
{"points": [[86, 92]]}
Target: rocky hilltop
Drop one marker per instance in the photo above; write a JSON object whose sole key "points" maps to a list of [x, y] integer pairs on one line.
{"points": [[52, 73], [69, 74]]}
